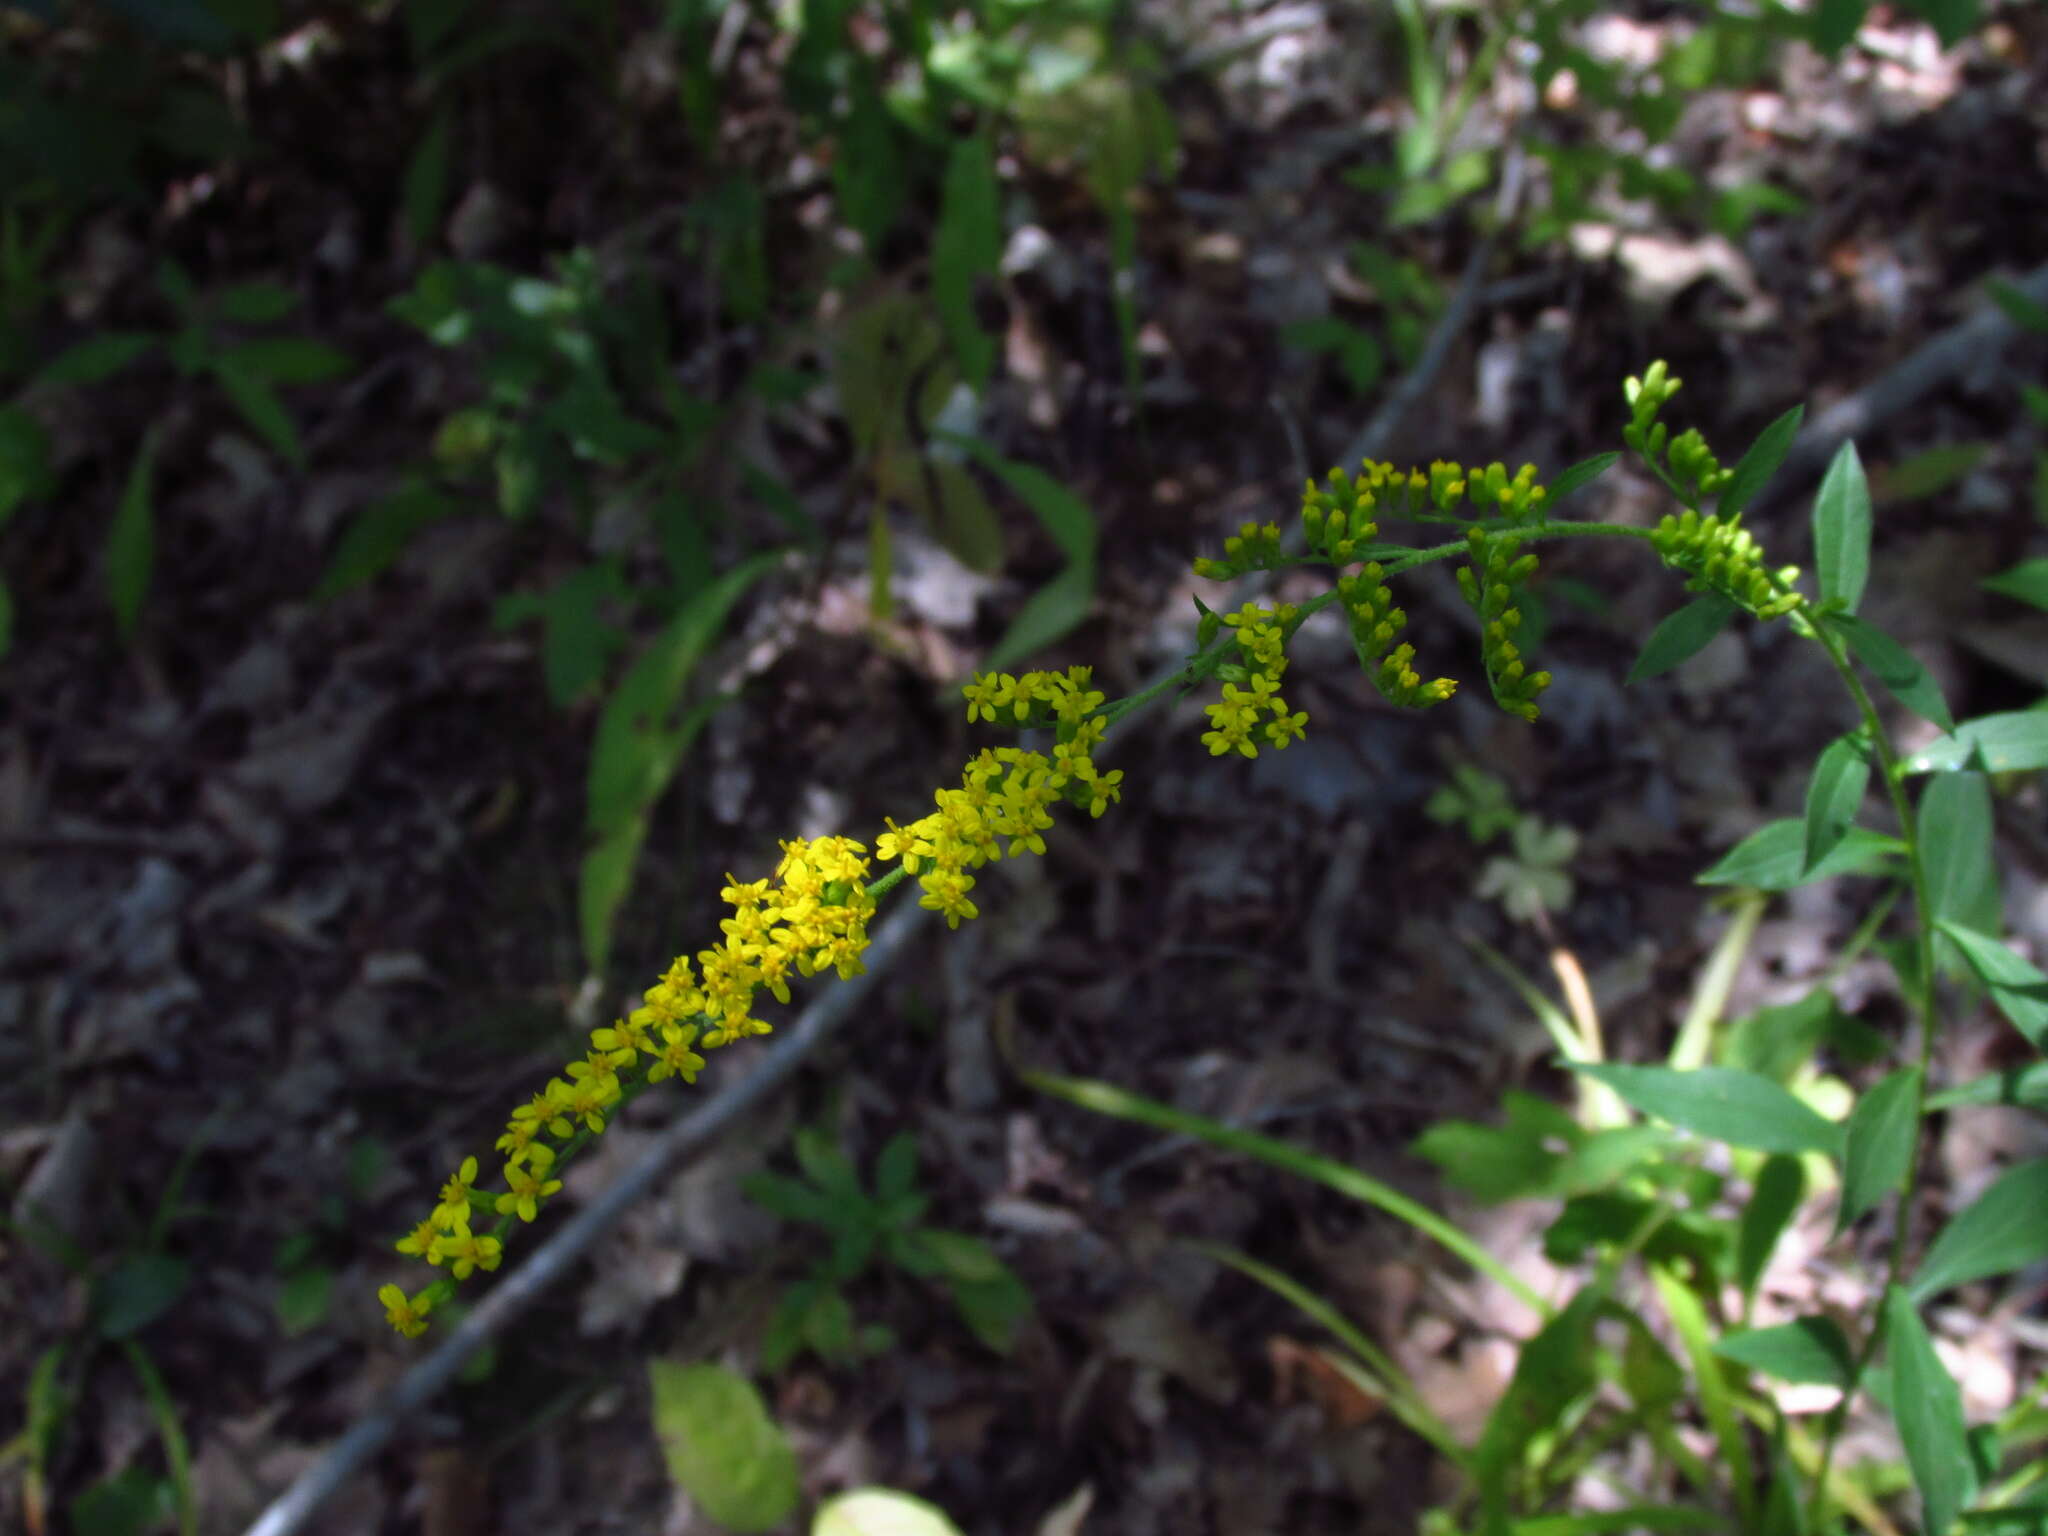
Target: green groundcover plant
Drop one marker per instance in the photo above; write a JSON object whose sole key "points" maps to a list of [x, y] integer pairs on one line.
{"points": [[1660, 1336]]}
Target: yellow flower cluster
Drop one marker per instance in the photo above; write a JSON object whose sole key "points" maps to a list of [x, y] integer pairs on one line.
{"points": [[813, 917], [1253, 689], [1006, 792], [1720, 555]]}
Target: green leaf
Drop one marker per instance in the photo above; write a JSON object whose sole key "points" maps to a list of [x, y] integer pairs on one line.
{"points": [[1834, 796], [1773, 858], [577, 642], [966, 246], [2019, 991], [1623, 1522], [1808, 1350], [425, 190], [97, 358], [1578, 476], [1682, 636], [1884, 1131], [1952, 20], [259, 303], [2021, 307], [1841, 530], [880, 1512], [2000, 1231], [25, 473], [2025, 1086], [138, 1291], [302, 1299], [721, 1446], [625, 778], [1929, 1411], [287, 360], [2012, 742], [1894, 666], [1722, 1103], [132, 1502], [1929, 473], [1554, 1372], [1760, 463], [1955, 844], [1689, 1317], [1835, 23], [2027, 582], [131, 542], [261, 408], [1780, 1186], [378, 536]]}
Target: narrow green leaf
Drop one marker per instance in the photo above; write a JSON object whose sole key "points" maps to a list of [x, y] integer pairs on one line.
{"points": [[1895, 667], [258, 303], [2021, 307], [965, 248], [425, 190], [1806, 1351], [288, 360], [1553, 1373], [1682, 636], [379, 535], [25, 472], [1107, 1099], [1780, 1186], [97, 357], [1955, 843], [2012, 742], [721, 1445], [1689, 1317], [2024, 1086], [1773, 858], [131, 542], [2018, 990], [2002, 1230], [1737, 1107], [2026, 582], [1578, 476], [1841, 530], [261, 408], [137, 1291], [1761, 462], [1928, 473], [1929, 1412], [1884, 1131], [1834, 796], [1638, 1517]]}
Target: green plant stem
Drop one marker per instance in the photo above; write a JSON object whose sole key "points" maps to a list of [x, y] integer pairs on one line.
{"points": [[1923, 1007]]}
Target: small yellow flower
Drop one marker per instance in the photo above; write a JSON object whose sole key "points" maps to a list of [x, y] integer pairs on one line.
{"points": [[675, 1058], [420, 1241], [408, 1314], [456, 1195], [466, 1253], [526, 1187]]}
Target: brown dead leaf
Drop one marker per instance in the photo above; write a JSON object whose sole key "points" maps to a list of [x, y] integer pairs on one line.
{"points": [[1307, 1372]]}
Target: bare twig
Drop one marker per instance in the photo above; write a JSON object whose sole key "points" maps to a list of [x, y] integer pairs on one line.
{"points": [[684, 1140]]}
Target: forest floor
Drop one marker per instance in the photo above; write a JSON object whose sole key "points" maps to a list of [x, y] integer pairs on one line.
{"points": [[288, 886]]}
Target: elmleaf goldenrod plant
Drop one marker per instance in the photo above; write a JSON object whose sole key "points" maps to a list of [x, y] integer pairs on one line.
{"points": [[1636, 1191]]}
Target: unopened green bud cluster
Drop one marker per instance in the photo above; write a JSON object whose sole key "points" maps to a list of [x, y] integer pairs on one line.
{"points": [[1716, 553], [1719, 555], [1489, 582], [1375, 621]]}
